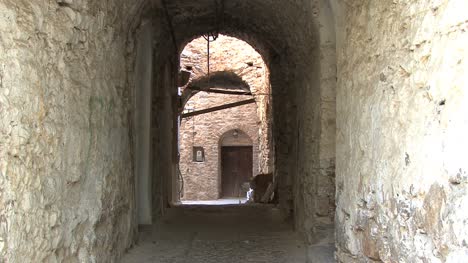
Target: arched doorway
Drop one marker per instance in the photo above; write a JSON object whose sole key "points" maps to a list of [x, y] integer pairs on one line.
{"points": [[234, 96], [236, 163]]}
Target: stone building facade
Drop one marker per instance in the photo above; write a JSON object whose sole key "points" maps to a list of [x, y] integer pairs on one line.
{"points": [[202, 180], [234, 65]]}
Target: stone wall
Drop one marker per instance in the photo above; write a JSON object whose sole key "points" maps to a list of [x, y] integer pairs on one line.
{"points": [[296, 108], [315, 182], [142, 120], [164, 125], [402, 108], [233, 60], [202, 180], [231, 55], [324, 200], [286, 34], [66, 177]]}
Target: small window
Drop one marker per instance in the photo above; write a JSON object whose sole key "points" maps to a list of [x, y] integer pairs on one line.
{"points": [[198, 154]]}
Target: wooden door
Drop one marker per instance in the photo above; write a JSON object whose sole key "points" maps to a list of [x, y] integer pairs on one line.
{"points": [[236, 163]]}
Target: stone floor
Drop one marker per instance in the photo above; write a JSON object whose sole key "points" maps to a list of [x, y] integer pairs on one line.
{"points": [[226, 234]]}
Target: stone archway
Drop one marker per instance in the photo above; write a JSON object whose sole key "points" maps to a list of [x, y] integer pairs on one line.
{"points": [[252, 132], [236, 163], [204, 133], [247, 73]]}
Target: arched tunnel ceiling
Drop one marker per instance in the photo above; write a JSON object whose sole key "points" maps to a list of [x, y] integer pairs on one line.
{"points": [[285, 33], [270, 26], [222, 79]]}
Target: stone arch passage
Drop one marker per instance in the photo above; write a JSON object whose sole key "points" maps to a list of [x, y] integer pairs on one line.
{"points": [[201, 178], [69, 55], [239, 64], [226, 80], [243, 72], [293, 60], [393, 72]]}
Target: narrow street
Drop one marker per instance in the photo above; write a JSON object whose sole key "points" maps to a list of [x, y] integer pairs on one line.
{"points": [[225, 234]]}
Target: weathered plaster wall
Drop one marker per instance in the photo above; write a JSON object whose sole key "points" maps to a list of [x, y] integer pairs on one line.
{"points": [[66, 178], [313, 149], [164, 131], [142, 121], [202, 179], [325, 180], [296, 109], [402, 108]]}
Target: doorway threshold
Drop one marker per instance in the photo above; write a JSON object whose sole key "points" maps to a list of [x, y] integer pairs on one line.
{"points": [[224, 201]]}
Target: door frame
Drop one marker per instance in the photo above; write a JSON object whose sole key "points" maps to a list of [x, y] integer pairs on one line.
{"points": [[220, 180]]}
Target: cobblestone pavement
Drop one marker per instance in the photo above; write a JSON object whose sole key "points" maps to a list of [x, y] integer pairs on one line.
{"points": [[223, 235]]}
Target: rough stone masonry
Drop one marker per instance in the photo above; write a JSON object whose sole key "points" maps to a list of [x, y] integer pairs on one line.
{"points": [[234, 64], [393, 73], [402, 121], [65, 166]]}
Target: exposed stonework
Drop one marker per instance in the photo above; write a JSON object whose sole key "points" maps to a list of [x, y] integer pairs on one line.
{"points": [[315, 178], [67, 101], [286, 34], [109, 24], [66, 185], [228, 56], [202, 179], [402, 124]]}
